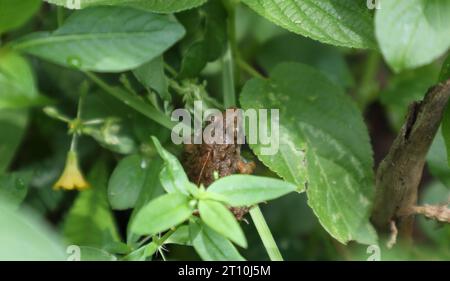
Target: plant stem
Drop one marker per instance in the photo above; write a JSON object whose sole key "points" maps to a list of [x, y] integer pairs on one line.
{"points": [[83, 93], [229, 97], [60, 16], [134, 102], [368, 88], [265, 234], [228, 60], [170, 69], [249, 69]]}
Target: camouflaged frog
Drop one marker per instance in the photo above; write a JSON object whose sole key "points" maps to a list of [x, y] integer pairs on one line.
{"points": [[202, 161]]}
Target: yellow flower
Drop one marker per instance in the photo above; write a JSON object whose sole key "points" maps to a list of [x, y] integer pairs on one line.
{"points": [[71, 177]]}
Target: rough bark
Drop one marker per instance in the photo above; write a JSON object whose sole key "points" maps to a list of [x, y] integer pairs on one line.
{"points": [[399, 174]]}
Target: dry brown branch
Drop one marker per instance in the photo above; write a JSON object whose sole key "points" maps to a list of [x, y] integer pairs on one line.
{"points": [[439, 213], [399, 174]]}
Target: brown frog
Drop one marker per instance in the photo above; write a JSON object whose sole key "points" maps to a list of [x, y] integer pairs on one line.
{"points": [[202, 161]]}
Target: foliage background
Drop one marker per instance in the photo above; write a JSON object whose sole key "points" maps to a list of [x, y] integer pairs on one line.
{"points": [[368, 64]]}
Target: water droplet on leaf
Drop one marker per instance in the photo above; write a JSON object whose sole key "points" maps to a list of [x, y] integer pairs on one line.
{"points": [[74, 61]]}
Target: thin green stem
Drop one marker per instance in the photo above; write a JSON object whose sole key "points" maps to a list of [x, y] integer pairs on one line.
{"points": [[134, 102], [166, 236], [265, 234], [228, 60], [249, 69], [368, 87], [60, 15], [170, 69], [77, 121], [229, 92]]}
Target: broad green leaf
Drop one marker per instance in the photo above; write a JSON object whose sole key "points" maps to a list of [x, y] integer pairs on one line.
{"points": [[218, 217], [95, 254], [17, 83], [210, 33], [137, 255], [180, 236], [105, 39], [172, 176], [13, 124], [90, 221], [151, 190], [15, 13], [290, 47], [246, 190], [159, 6], [117, 247], [14, 187], [161, 214], [437, 160], [25, 237], [345, 23], [404, 88], [143, 253], [210, 245], [151, 75], [413, 33], [324, 145], [127, 180]]}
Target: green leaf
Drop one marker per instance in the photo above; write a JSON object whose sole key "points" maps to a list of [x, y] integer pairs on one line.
{"points": [[180, 236], [15, 13], [210, 245], [342, 23], [90, 221], [413, 33], [105, 39], [218, 217], [150, 190], [17, 83], [143, 253], [403, 89], [173, 177], [290, 47], [24, 237], [117, 247], [151, 75], [437, 160], [161, 214], [246, 190], [159, 6], [210, 37], [13, 125], [127, 180], [323, 143], [95, 254], [14, 187]]}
